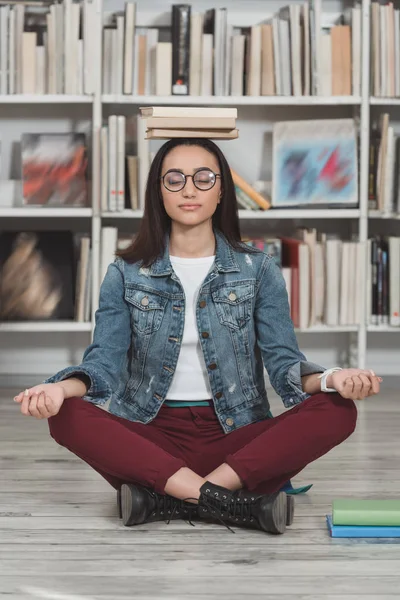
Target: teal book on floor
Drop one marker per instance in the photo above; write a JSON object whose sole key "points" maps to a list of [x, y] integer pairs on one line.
{"points": [[361, 531]]}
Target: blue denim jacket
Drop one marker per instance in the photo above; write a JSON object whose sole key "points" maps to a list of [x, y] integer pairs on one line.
{"points": [[242, 305]]}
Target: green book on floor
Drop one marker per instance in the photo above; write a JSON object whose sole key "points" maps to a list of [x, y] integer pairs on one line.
{"points": [[366, 512]]}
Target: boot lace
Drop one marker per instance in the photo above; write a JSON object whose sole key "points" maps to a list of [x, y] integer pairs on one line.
{"points": [[237, 510], [168, 506]]}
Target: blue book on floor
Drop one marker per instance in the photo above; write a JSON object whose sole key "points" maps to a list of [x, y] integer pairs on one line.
{"points": [[361, 531]]}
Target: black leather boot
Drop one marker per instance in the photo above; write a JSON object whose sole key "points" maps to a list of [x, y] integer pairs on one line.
{"points": [[137, 504], [247, 496], [267, 512]]}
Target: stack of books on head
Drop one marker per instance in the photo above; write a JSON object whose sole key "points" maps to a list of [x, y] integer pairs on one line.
{"points": [[166, 122], [355, 518]]}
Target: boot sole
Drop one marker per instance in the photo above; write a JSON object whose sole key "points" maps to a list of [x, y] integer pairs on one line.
{"points": [[290, 510], [119, 508], [130, 511], [276, 513]]}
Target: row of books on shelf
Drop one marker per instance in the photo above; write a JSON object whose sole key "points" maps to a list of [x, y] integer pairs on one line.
{"points": [[48, 49], [385, 49], [45, 275], [288, 53], [383, 184]]}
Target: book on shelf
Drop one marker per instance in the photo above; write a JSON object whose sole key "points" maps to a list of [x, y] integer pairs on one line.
{"points": [[125, 163], [383, 287], [383, 176], [54, 169], [48, 49], [293, 52], [385, 50], [315, 163]]}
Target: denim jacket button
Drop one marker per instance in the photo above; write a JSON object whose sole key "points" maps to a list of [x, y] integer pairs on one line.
{"points": [[205, 334], [212, 366], [218, 395], [144, 301], [202, 303], [232, 296], [229, 421]]}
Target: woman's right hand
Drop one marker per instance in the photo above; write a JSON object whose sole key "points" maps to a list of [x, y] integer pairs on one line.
{"points": [[41, 401]]}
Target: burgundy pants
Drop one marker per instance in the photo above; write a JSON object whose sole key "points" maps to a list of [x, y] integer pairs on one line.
{"points": [[264, 454]]}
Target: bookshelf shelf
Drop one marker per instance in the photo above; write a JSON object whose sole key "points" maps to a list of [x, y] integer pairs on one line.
{"points": [[382, 329], [44, 99], [374, 101], [327, 329], [45, 327], [376, 214], [294, 214], [39, 213], [233, 100]]}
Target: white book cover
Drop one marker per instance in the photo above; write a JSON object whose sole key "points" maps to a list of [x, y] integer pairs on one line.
{"points": [[104, 169], [351, 292], [79, 69], [118, 66], [151, 43], [345, 274], [207, 65], [356, 49], [112, 163], [196, 40], [332, 281], [11, 52], [4, 25], [143, 149], [29, 62], [114, 68], [107, 61], [388, 173], [238, 54], [109, 238], [383, 50], [129, 46], [88, 288], [316, 47], [295, 48], [319, 287], [68, 50], [359, 278], [306, 66], [40, 86], [61, 62], [368, 307], [121, 125], [51, 72], [394, 280], [287, 276], [19, 28], [254, 74], [89, 37], [76, 15], [284, 45], [163, 69], [228, 57], [304, 283], [277, 56], [397, 51], [326, 60], [219, 51]]}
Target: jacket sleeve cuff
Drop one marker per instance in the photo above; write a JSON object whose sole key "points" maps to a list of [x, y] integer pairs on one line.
{"points": [[294, 393], [99, 391]]}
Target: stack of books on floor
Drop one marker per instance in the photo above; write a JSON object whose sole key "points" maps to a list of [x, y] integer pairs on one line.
{"points": [[166, 122], [355, 518]]}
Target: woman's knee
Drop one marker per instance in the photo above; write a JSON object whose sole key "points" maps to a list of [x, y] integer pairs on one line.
{"points": [[63, 425], [342, 415]]}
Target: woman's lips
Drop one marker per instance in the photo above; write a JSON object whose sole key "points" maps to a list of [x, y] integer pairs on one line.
{"points": [[189, 206]]}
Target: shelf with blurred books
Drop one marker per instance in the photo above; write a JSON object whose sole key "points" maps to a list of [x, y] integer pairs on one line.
{"points": [[116, 99], [45, 327], [45, 212], [44, 99]]}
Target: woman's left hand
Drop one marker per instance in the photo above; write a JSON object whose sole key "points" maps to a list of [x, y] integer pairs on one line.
{"points": [[355, 384]]}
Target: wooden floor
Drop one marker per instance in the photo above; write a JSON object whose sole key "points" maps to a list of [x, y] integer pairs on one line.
{"points": [[60, 537]]}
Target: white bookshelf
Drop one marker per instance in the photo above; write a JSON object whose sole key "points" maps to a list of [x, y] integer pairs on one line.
{"points": [[253, 112]]}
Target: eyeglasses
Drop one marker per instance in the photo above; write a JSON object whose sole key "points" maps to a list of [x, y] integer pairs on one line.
{"points": [[203, 179]]}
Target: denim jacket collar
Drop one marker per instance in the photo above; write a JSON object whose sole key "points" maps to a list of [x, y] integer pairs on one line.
{"points": [[225, 261]]}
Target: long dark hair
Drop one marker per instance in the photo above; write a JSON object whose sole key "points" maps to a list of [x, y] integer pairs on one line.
{"points": [[149, 243]]}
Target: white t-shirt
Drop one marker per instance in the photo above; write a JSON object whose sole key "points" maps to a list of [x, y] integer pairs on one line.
{"points": [[190, 380]]}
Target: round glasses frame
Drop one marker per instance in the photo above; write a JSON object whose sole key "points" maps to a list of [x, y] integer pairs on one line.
{"points": [[216, 175]]}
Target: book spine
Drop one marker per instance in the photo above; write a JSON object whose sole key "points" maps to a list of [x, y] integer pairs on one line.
{"points": [[247, 189], [180, 49], [374, 281]]}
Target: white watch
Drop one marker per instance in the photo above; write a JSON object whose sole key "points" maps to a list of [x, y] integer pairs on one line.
{"points": [[324, 376]]}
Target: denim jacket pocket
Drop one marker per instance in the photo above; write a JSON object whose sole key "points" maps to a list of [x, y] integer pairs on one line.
{"points": [[233, 303], [147, 309]]}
